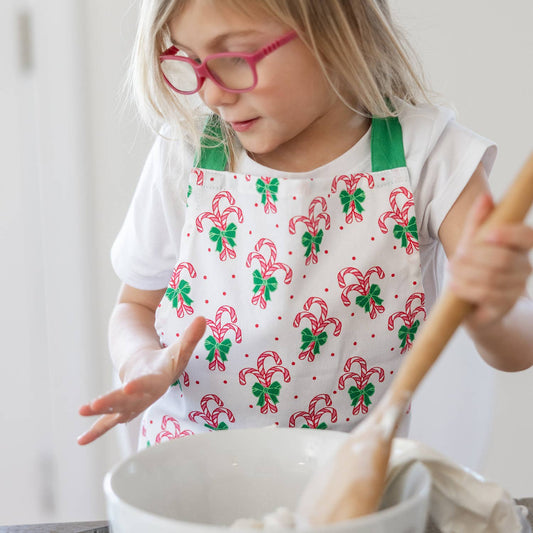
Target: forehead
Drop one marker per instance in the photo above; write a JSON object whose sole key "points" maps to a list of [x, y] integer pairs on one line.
{"points": [[203, 23]]}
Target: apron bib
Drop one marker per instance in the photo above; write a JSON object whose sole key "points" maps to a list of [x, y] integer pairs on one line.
{"points": [[311, 289]]}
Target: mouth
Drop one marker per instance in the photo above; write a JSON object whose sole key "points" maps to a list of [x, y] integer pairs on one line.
{"points": [[243, 125]]}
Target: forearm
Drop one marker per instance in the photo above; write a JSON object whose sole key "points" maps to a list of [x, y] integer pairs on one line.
{"points": [[508, 344], [131, 331]]}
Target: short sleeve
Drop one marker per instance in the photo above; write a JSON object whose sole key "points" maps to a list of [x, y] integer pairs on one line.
{"points": [[147, 245], [441, 157]]}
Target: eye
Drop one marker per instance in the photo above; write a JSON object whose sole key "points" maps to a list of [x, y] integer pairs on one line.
{"points": [[192, 58], [237, 60]]}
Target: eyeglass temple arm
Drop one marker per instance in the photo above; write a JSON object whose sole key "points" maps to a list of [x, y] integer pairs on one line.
{"points": [[173, 50], [275, 45]]}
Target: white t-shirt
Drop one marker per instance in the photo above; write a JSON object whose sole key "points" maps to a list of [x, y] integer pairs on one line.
{"points": [[441, 156]]}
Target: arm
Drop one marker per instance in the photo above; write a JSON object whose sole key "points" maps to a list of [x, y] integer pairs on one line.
{"points": [[491, 273], [146, 369]]}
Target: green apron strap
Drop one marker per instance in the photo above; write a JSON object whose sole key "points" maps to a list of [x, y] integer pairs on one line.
{"points": [[213, 154], [386, 144]]}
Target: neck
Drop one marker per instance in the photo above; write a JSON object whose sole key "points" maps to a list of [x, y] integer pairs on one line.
{"points": [[326, 139]]}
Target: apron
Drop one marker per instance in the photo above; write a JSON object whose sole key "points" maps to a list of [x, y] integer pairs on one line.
{"points": [[311, 289]]}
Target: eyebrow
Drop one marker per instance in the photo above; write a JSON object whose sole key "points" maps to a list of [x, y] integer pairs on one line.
{"points": [[219, 39]]}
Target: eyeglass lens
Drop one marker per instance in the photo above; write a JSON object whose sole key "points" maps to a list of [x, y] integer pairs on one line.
{"points": [[232, 72]]}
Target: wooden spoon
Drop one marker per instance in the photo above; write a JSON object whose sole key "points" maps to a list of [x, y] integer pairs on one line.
{"points": [[352, 483]]}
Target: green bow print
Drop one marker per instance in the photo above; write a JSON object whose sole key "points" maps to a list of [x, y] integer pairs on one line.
{"points": [[222, 426], [308, 338], [264, 188], [406, 333], [356, 393], [261, 391], [211, 345], [309, 240], [217, 235], [400, 232], [373, 294], [270, 284], [322, 425], [182, 290], [357, 197]]}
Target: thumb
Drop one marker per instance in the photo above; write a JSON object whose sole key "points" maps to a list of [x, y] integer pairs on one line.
{"points": [[479, 212], [181, 351]]}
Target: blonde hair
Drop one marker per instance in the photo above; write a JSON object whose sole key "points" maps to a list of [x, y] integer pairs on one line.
{"points": [[362, 53]]}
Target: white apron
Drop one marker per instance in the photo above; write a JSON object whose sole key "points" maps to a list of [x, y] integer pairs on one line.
{"points": [[312, 292]]}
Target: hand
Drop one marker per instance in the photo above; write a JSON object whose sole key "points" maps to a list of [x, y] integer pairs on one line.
{"points": [[148, 376], [490, 271]]}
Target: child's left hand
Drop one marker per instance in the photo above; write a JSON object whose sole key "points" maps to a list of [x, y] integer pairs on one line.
{"points": [[490, 272]]}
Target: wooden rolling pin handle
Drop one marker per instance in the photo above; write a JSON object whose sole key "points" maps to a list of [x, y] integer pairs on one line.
{"points": [[450, 310]]}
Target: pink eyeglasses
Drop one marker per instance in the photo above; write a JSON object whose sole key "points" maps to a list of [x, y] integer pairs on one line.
{"points": [[233, 72]]}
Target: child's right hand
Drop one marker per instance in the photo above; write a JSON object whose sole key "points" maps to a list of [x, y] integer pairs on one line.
{"points": [[148, 375]]}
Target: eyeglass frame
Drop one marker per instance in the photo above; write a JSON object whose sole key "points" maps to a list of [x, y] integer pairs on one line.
{"points": [[202, 72]]}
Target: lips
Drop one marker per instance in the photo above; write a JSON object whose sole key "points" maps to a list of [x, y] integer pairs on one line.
{"points": [[243, 125]]}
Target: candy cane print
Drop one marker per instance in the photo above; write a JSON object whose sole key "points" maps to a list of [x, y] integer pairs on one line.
{"points": [[263, 280], [217, 346], [265, 390], [368, 298], [409, 317], [268, 189], [313, 416], [314, 337], [178, 290], [312, 238], [222, 234], [405, 228], [199, 176], [176, 433], [362, 391], [352, 198], [211, 418]]}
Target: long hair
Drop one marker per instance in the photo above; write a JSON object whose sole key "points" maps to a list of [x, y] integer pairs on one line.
{"points": [[361, 51]]}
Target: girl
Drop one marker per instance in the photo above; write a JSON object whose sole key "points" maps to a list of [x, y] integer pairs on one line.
{"points": [[277, 270]]}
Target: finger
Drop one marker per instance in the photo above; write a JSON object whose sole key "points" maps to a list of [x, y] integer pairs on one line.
{"points": [[490, 264], [115, 401], [516, 236], [111, 402], [181, 351], [85, 410], [101, 426], [483, 294], [499, 296], [149, 385], [193, 334]]}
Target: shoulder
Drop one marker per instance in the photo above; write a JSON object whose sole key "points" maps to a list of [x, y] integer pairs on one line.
{"points": [[432, 132], [168, 165], [441, 155], [423, 126], [173, 154]]}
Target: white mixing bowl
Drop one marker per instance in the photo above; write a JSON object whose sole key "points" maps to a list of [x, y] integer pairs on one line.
{"points": [[203, 483]]}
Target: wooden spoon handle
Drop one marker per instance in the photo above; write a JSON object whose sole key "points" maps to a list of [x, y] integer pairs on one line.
{"points": [[450, 310]]}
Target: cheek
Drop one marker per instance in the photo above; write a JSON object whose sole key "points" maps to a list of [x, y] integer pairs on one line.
{"points": [[296, 94]]}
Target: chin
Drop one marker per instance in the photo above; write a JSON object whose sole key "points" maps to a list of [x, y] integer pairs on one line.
{"points": [[259, 148]]}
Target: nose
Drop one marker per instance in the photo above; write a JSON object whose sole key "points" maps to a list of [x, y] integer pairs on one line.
{"points": [[215, 96]]}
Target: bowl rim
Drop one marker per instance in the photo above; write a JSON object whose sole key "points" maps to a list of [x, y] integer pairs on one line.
{"points": [[112, 497]]}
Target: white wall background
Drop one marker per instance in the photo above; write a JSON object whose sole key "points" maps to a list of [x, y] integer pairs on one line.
{"points": [[71, 159]]}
